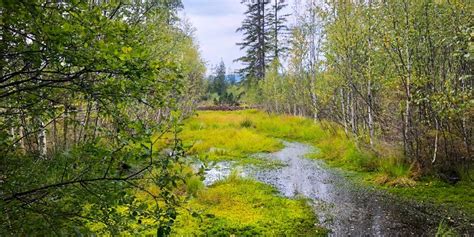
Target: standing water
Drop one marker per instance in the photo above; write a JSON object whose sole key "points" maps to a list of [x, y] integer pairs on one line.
{"points": [[343, 207]]}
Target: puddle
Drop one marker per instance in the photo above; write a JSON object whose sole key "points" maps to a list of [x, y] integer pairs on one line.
{"points": [[343, 207]]}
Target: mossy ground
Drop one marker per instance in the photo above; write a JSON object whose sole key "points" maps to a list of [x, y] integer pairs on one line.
{"points": [[244, 207], [460, 196], [217, 136], [234, 135]]}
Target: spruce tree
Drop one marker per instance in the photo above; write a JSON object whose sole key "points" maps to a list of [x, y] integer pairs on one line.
{"points": [[277, 29], [220, 82], [254, 41], [261, 28]]}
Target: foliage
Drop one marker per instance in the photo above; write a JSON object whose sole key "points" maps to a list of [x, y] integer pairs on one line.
{"points": [[396, 73], [81, 96], [222, 88], [244, 207]]}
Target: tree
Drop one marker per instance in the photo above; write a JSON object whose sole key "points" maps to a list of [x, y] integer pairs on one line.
{"points": [[262, 29], [254, 42], [219, 81], [389, 72], [84, 104], [277, 29]]}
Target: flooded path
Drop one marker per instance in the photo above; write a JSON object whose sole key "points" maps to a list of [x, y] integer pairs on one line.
{"points": [[343, 207]]}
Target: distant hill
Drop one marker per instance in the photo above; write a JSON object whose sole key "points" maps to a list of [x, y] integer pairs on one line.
{"points": [[233, 78]]}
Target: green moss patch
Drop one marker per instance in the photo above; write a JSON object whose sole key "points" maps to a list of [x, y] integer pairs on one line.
{"points": [[244, 207]]}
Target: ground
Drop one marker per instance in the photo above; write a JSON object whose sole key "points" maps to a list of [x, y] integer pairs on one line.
{"points": [[244, 207], [235, 135]]}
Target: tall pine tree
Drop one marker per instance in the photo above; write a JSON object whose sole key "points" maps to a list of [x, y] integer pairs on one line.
{"points": [[219, 82], [276, 21], [261, 28]]}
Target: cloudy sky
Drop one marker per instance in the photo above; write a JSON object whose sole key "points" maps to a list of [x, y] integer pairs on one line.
{"points": [[215, 22]]}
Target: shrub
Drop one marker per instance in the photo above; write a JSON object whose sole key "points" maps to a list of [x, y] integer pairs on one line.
{"points": [[193, 185]]}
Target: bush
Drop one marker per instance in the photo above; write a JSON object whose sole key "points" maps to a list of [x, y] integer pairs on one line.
{"points": [[193, 185]]}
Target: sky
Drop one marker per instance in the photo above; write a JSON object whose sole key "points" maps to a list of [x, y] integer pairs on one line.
{"points": [[216, 22]]}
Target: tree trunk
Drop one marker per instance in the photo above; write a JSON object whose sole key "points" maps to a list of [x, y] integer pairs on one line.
{"points": [[370, 122], [352, 107], [343, 107], [42, 145], [407, 120], [65, 128]]}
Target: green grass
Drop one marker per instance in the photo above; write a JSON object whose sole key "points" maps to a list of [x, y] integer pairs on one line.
{"points": [[445, 231], [432, 190], [235, 135], [215, 136], [243, 207]]}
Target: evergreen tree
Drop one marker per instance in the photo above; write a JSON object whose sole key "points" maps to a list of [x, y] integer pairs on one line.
{"points": [[276, 29], [262, 29], [254, 41], [231, 79], [219, 81]]}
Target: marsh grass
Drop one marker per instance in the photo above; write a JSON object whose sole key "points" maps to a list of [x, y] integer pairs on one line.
{"points": [[236, 135], [218, 136], [445, 230], [246, 123], [243, 207]]}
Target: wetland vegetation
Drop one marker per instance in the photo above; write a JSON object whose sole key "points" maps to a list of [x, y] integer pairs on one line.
{"points": [[342, 118]]}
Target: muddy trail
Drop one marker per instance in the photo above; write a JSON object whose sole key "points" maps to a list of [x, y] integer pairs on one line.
{"points": [[347, 209]]}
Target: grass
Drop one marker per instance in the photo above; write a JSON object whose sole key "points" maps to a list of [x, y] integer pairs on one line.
{"points": [[235, 135], [445, 231], [216, 136], [243, 207], [460, 195]]}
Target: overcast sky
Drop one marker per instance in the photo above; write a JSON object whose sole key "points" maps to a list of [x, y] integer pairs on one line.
{"points": [[215, 22]]}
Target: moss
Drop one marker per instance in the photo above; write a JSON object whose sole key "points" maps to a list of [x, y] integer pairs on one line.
{"points": [[218, 137], [244, 207], [458, 197]]}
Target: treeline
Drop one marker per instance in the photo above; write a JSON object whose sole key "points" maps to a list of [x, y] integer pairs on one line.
{"points": [[391, 73], [87, 89], [222, 88]]}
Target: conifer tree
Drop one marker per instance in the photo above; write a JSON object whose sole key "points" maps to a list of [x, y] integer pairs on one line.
{"points": [[277, 29], [261, 29]]}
